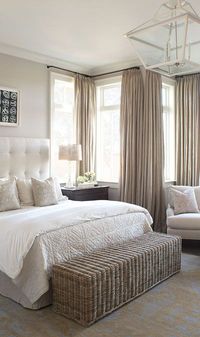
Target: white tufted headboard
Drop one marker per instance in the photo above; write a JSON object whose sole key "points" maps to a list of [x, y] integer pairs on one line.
{"points": [[24, 157]]}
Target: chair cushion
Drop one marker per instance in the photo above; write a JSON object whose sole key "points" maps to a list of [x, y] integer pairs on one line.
{"points": [[184, 221]]}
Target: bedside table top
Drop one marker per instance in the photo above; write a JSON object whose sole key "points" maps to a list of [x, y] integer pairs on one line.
{"points": [[87, 193], [74, 188]]}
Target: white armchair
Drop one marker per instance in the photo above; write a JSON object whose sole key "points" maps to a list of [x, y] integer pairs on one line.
{"points": [[186, 225]]}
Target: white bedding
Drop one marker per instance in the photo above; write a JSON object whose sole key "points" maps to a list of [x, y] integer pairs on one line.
{"points": [[33, 239]]}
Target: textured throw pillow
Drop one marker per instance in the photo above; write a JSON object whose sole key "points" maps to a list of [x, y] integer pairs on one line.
{"points": [[185, 202], [25, 192], [44, 193], [183, 188], [172, 189], [8, 195]]}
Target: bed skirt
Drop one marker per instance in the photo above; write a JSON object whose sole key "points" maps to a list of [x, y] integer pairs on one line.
{"points": [[10, 290]]}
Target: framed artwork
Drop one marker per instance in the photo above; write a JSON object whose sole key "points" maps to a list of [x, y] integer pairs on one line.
{"points": [[9, 107]]}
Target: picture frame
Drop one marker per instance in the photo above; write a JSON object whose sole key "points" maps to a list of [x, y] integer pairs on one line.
{"points": [[9, 106]]}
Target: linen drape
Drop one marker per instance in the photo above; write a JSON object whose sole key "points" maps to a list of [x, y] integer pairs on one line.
{"points": [[152, 164], [188, 130], [132, 103], [85, 107], [142, 144]]}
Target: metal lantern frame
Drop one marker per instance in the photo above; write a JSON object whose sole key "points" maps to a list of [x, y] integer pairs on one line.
{"points": [[187, 17]]}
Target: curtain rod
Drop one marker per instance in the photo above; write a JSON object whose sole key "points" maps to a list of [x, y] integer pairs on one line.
{"points": [[109, 73], [116, 71], [179, 76], [71, 71]]}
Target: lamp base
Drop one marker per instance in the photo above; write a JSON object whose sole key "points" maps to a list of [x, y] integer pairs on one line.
{"points": [[69, 183]]}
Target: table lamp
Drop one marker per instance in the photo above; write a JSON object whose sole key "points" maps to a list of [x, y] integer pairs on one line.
{"points": [[71, 153]]}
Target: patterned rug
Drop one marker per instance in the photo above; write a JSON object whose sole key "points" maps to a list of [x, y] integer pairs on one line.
{"points": [[171, 309]]}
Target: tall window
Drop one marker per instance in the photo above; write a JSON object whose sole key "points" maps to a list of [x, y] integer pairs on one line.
{"points": [[62, 121], [169, 130], [108, 133]]}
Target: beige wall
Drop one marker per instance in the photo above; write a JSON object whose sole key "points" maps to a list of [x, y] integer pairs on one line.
{"points": [[32, 80]]}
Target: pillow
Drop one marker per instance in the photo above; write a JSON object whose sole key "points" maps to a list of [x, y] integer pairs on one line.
{"points": [[44, 192], [25, 192], [197, 195], [8, 195], [59, 194], [185, 202], [4, 179], [182, 188]]}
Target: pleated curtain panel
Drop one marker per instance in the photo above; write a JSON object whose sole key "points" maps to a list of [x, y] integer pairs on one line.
{"points": [[132, 106], [153, 151], [85, 110], [188, 130], [142, 144]]}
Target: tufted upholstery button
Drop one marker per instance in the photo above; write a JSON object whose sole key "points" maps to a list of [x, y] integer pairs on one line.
{"points": [[24, 156]]}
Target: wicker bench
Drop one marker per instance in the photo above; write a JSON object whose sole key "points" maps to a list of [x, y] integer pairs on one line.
{"points": [[87, 288]]}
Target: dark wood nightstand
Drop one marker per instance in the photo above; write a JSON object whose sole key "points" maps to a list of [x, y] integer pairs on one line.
{"points": [[83, 194]]}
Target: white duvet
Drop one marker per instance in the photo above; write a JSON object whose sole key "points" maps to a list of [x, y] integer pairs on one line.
{"points": [[57, 233]]}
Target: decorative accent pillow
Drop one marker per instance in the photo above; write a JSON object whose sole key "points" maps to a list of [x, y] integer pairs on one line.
{"points": [[44, 192], [182, 189], [59, 194], [8, 195], [25, 192], [185, 202]]}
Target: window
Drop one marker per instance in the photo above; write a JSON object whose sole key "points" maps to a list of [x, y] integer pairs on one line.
{"points": [[169, 130], [108, 132], [62, 121]]}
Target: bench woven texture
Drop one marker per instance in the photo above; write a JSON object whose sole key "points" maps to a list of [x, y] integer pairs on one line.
{"points": [[87, 288]]}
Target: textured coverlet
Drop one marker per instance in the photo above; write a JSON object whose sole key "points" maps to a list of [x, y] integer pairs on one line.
{"points": [[60, 232]]}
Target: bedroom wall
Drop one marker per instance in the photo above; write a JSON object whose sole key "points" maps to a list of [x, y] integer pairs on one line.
{"points": [[31, 79]]}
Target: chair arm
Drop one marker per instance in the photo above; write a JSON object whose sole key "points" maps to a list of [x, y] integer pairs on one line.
{"points": [[169, 211]]}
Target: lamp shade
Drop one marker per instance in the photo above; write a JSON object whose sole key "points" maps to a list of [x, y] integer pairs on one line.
{"points": [[70, 152]]}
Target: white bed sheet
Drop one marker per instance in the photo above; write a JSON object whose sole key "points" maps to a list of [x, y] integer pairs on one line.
{"points": [[37, 238]]}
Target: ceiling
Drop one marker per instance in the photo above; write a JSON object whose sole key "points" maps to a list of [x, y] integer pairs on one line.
{"points": [[81, 35]]}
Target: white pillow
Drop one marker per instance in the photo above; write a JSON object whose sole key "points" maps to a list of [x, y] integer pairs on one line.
{"points": [[59, 194], [44, 192], [197, 195], [185, 202], [4, 179], [183, 188], [8, 195], [25, 192]]}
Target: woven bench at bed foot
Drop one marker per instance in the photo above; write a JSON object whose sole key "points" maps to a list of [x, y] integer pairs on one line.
{"points": [[87, 288]]}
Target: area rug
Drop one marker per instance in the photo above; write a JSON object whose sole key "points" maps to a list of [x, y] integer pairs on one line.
{"points": [[171, 309]]}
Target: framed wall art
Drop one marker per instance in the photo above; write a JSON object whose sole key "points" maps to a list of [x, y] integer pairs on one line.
{"points": [[9, 107]]}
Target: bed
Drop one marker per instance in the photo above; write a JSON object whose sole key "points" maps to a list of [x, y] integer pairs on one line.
{"points": [[32, 239]]}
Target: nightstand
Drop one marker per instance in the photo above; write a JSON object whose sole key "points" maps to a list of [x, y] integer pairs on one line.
{"points": [[83, 194]]}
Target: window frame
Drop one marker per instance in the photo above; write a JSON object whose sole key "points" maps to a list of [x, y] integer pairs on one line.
{"points": [[169, 82], [52, 77], [98, 83]]}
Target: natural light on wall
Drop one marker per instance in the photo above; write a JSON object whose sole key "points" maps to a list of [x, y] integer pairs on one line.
{"points": [[108, 132], [169, 130], [62, 121]]}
